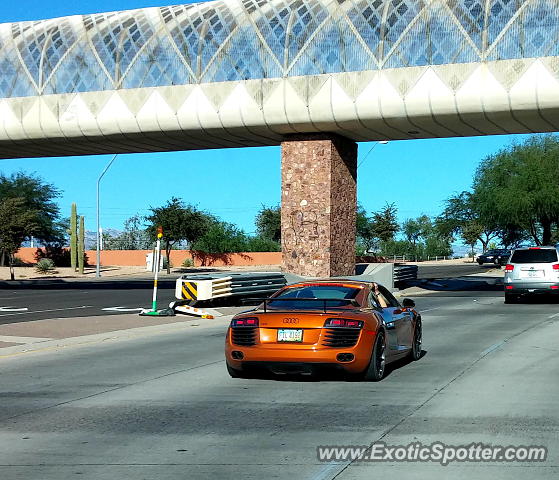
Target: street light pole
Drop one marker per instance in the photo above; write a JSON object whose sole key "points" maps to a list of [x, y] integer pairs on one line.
{"points": [[97, 267], [382, 142]]}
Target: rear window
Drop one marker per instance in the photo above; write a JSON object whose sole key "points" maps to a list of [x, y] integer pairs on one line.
{"points": [[301, 297], [546, 255]]}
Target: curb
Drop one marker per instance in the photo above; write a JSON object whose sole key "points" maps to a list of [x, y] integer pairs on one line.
{"points": [[51, 345]]}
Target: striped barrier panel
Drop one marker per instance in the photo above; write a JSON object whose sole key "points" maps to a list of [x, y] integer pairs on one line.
{"points": [[195, 290]]}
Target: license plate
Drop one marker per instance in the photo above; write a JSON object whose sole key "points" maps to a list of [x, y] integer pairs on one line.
{"points": [[534, 274], [290, 335]]}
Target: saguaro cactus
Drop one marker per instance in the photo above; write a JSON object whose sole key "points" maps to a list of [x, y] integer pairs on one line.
{"points": [[81, 244], [74, 237]]}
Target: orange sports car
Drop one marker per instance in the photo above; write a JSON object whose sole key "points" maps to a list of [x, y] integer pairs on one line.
{"points": [[355, 326]]}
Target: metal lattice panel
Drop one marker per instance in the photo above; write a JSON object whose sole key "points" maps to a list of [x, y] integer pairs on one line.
{"points": [[236, 40], [117, 40], [14, 80]]}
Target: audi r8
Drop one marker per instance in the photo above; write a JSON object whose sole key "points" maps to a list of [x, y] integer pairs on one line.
{"points": [[357, 327]]}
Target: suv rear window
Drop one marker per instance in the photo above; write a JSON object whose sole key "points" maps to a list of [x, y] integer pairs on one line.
{"points": [[543, 255]]}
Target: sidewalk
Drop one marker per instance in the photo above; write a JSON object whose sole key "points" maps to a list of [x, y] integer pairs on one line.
{"points": [[41, 335]]}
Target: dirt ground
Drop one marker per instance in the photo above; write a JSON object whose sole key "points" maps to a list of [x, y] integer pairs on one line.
{"points": [[30, 273]]}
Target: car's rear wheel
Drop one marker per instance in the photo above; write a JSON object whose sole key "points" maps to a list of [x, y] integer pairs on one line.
{"points": [[377, 365], [480, 262], [511, 298], [415, 353]]}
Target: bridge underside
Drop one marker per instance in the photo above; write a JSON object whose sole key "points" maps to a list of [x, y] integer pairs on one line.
{"points": [[502, 97]]}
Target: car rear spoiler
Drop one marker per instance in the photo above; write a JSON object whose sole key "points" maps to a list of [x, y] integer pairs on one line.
{"points": [[323, 301]]}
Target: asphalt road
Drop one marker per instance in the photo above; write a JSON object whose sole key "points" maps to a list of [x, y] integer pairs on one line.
{"points": [[90, 298], [163, 407], [79, 299]]}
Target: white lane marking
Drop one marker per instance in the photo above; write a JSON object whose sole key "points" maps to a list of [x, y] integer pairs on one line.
{"points": [[13, 309], [12, 339], [331, 470], [495, 346], [429, 309], [121, 309], [45, 311]]}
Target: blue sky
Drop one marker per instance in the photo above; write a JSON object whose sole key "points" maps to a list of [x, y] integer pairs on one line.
{"points": [[416, 175]]}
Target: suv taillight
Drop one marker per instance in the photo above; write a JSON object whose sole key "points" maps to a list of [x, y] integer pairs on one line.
{"points": [[509, 268], [343, 323], [245, 322], [555, 266]]}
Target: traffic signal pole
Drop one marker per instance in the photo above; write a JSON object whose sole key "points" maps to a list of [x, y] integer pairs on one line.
{"points": [[167, 312]]}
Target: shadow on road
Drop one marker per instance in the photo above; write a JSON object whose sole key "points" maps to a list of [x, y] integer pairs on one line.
{"points": [[324, 374], [402, 362], [539, 299], [460, 284]]}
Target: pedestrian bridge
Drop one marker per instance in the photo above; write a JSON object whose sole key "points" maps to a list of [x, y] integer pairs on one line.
{"points": [[249, 72]]}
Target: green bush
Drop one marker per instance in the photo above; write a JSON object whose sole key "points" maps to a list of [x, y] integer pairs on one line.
{"points": [[187, 263], [59, 255], [18, 262], [221, 238], [262, 244], [45, 265]]}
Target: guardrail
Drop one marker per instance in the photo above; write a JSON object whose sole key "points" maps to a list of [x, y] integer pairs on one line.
{"points": [[404, 273], [195, 288], [191, 289]]}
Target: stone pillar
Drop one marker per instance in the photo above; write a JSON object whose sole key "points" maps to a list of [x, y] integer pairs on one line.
{"points": [[318, 204]]}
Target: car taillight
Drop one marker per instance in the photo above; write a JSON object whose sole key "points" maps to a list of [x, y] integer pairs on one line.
{"points": [[343, 322], [534, 248], [245, 322], [555, 266], [509, 268]]}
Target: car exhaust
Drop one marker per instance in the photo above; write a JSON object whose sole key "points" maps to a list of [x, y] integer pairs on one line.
{"points": [[345, 357]]}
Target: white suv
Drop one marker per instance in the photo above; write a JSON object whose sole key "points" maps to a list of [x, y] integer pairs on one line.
{"points": [[531, 270]]}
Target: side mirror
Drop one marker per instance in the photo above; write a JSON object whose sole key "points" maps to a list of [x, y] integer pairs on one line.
{"points": [[408, 303]]}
